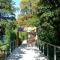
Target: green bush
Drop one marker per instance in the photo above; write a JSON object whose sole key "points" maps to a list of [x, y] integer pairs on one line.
{"points": [[10, 34], [23, 35]]}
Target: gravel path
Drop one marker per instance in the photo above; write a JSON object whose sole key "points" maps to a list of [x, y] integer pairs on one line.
{"points": [[26, 53]]}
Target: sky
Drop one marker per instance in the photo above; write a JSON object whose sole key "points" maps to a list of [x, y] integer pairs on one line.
{"points": [[17, 5], [17, 2]]}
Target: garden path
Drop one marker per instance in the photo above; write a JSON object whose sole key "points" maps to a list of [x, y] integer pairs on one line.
{"points": [[26, 53]]}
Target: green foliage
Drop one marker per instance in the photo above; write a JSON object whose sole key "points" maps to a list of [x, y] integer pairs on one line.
{"points": [[10, 34], [3, 47], [23, 35], [49, 21], [7, 5], [33, 21], [1, 43], [28, 11]]}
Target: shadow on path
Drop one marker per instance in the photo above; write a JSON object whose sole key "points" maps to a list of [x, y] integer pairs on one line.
{"points": [[26, 53], [17, 53]]}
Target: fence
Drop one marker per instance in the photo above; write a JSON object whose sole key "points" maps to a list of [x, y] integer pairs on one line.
{"points": [[5, 53], [51, 51]]}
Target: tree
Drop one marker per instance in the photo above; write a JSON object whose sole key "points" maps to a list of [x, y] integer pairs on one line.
{"points": [[28, 12], [7, 9], [49, 23], [7, 5], [28, 6]]}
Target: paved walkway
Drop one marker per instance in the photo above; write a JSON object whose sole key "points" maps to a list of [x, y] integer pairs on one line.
{"points": [[26, 53]]}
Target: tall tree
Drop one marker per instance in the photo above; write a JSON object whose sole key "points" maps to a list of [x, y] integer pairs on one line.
{"points": [[29, 6], [49, 21], [6, 8], [28, 11]]}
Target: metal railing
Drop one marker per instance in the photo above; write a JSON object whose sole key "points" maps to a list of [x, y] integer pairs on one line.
{"points": [[6, 52], [51, 51]]}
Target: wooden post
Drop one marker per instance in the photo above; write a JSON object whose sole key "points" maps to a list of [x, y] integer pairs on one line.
{"points": [[17, 39]]}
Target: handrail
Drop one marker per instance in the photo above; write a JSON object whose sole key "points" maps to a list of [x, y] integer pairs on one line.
{"points": [[51, 44], [42, 43]]}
